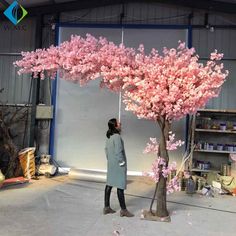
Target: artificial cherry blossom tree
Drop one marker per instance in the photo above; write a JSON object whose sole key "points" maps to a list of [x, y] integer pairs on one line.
{"points": [[158, 87], [167, 87]]}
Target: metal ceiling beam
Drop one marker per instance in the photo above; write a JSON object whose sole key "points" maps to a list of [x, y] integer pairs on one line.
{"points": [[70, 6], [209, 5], [52, 8]]}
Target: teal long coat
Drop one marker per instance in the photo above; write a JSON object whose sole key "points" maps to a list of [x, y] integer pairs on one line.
{"points": [[115, 153]]}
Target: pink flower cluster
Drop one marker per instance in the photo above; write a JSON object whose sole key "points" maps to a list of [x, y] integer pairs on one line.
{"points": [[42, 62], [171, 144], [173, 185], [157, 165], [152, 147], [159, 168], [81, 60]]}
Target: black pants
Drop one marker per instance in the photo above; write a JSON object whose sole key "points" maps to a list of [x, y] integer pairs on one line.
{"points": [[120, 195]]}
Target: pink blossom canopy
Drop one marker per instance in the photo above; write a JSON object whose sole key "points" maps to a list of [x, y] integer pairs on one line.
{"points": [[173, 84], [168, 85]]}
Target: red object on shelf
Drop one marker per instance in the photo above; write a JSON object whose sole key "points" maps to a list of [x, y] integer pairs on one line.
{"points": [[14, 181]]}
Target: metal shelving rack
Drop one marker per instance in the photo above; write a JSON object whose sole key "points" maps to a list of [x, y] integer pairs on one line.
{"points": [[213, 135]]}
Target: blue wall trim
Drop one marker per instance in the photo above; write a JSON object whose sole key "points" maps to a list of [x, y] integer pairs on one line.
{"points": [[54, 102], [190, 42], [190, 36]]}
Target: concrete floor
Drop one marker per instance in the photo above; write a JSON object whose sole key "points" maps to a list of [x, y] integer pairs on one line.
{"points": [[64, 207]]}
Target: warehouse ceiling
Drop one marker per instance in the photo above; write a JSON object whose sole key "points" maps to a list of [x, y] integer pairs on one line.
{"points": [[36, 7]]}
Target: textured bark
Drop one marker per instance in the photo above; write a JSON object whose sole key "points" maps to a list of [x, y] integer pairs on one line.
{"points": [[8, 154], [153, 199], [9, 161], [160, 190], [161, 209]]}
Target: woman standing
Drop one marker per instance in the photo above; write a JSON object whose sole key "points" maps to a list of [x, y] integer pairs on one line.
{"points": [[116, 168]]}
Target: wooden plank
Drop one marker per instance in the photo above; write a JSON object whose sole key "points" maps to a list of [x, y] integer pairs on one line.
{"points": [[216, 131], [200, 170], [217, 111], [213, 151]]}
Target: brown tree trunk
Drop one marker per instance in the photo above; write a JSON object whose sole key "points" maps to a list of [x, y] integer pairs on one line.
{"points": [[153, 199], [161, 209]]}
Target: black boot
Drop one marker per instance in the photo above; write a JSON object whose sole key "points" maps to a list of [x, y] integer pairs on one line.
{"points": [[121, 197], [107, 209], [126, 213]]}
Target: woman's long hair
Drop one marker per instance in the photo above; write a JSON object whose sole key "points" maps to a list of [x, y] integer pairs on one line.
{"points": [[112, 128]]}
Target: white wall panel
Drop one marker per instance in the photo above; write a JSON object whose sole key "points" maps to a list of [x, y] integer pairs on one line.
{"points": [[137, 132], [226, 98], [82, 113], [223, 40]]}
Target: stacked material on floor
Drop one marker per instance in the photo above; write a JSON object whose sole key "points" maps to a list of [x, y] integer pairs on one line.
{"points": [[27, 161], [228, 183], [13, 181]]}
